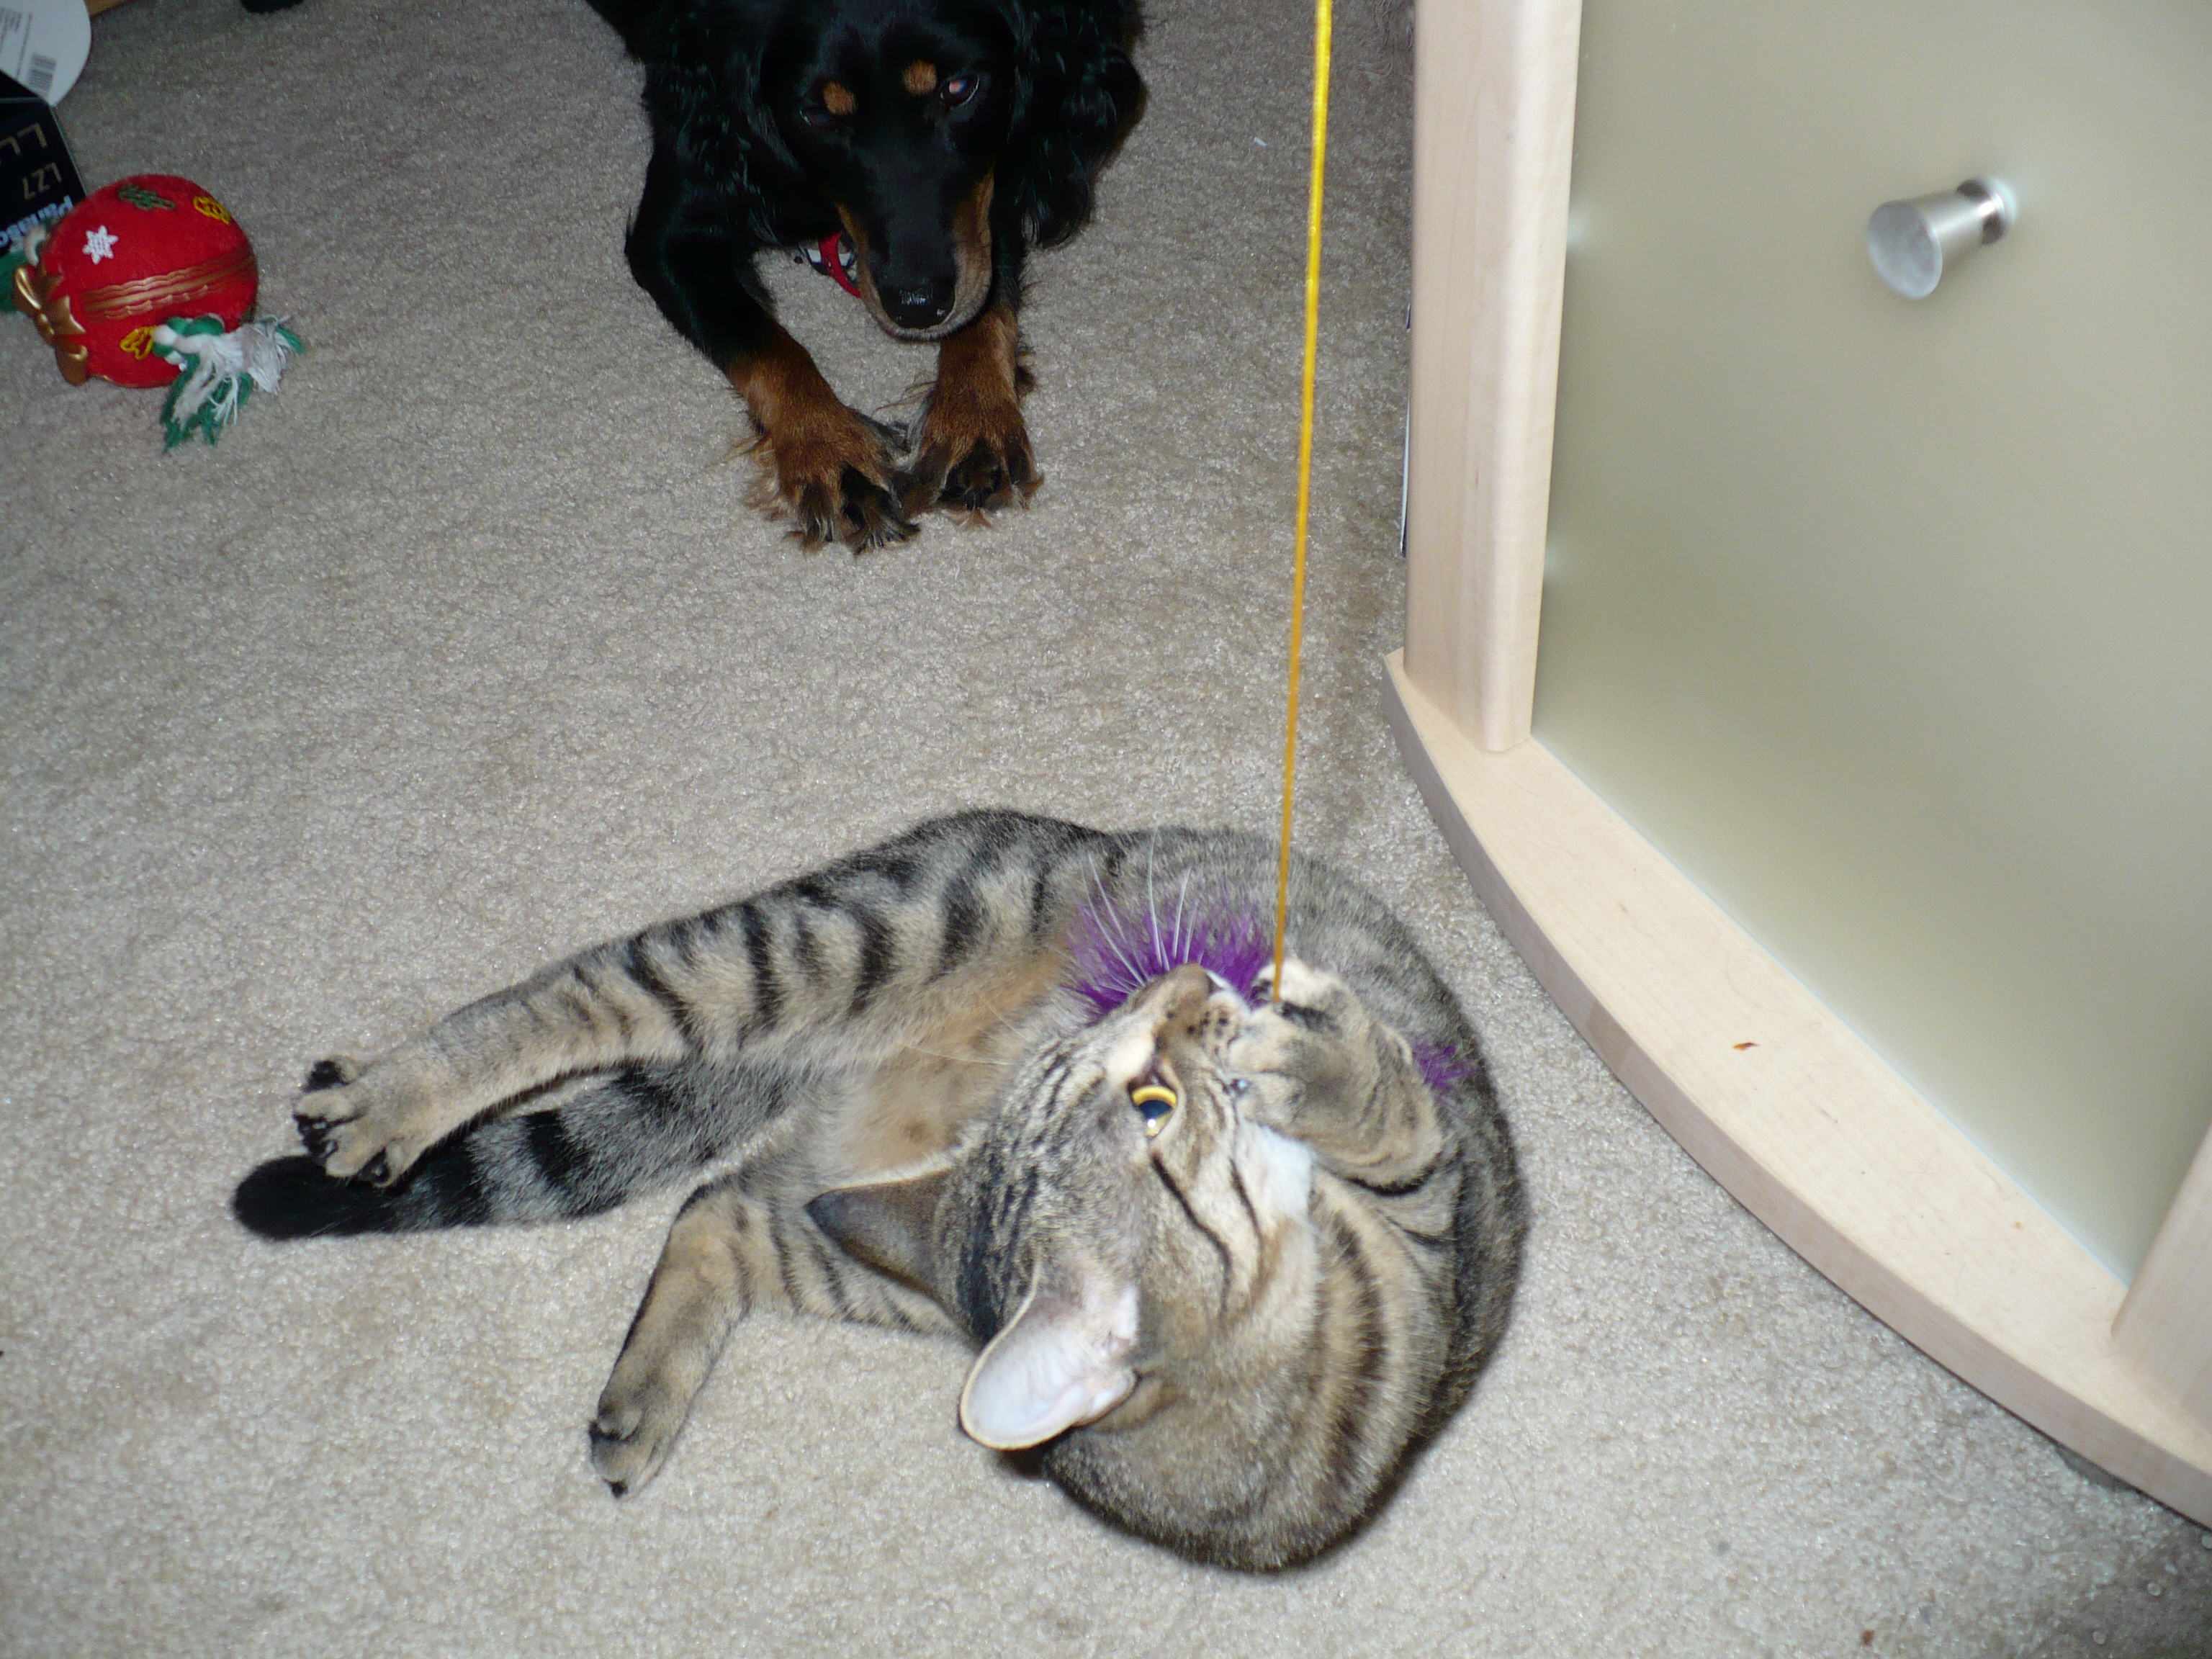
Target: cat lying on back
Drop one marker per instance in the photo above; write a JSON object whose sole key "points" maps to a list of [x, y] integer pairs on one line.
{"points": [[1230, 1249]]}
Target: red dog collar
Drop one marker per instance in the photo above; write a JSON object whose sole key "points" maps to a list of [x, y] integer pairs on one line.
{"points": [[833, 256]]}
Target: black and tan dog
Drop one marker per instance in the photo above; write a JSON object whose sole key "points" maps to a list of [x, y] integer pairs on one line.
{"points": [[930, 142]]}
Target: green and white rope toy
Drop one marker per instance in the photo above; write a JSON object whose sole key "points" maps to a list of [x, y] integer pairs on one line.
{"points": [[221, 370]]}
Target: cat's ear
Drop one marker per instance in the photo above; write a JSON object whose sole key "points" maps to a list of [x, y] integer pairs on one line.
{"points": [[888, 1225], [1060, 1363]]}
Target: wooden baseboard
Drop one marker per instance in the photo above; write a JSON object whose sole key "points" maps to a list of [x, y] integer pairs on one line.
{"points": [[1792, 1113]]}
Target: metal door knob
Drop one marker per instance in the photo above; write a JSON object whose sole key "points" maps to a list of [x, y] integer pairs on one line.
{"points": [[1913, 243]]}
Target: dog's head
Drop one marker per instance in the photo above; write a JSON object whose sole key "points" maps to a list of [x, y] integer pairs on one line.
{"points": [[929, 128], [899, 113]]}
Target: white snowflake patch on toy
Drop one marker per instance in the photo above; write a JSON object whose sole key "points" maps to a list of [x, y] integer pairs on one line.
{"points": [[99, 244]]}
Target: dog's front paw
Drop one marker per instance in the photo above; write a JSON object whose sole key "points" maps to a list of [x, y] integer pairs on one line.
{"points": [[971, 450], [833, 475], [357, 1120], [972, 455]]}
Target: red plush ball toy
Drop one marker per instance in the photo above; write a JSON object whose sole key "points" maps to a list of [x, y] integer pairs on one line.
{"points": [[127, 259]]}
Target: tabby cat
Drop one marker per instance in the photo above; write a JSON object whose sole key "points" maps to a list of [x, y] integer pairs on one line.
{"points": [[1230, 1249]]}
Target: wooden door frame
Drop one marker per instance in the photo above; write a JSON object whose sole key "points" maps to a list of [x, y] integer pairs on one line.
{"points": [[1779, 1101]]}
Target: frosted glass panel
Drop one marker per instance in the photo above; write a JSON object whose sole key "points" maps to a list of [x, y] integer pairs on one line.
{"points": [[1891, 622]]}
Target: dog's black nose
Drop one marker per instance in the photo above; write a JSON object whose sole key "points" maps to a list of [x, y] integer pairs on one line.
{"points": [[923, 306]]}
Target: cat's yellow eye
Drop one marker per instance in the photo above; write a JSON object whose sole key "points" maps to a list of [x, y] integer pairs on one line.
{"points": [[1155, 1101]]}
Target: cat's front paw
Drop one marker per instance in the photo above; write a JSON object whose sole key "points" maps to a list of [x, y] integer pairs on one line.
{"points": [[1308, 994], [356, 1119], [1293, 1042], [634, 1429]]}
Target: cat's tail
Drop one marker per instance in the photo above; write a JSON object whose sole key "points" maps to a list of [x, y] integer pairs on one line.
{"points": [[608, 1140]]}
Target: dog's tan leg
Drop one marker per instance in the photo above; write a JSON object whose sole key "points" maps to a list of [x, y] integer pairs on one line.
{"points": [[973, 451], [832, 468]]}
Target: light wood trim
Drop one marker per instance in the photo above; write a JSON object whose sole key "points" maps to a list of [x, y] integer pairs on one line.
{"points": [[96, 7], [1493, 139], [1790, 1112], [2165, 1324]]}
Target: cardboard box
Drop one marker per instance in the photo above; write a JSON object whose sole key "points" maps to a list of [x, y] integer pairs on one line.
{"points": [[38, 180]]}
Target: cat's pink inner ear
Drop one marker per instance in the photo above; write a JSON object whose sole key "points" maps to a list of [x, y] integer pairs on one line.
{"points": [[1059, 1364]]}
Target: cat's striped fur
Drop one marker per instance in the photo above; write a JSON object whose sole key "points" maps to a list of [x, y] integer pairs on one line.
{"points": [[1223, 1323]]}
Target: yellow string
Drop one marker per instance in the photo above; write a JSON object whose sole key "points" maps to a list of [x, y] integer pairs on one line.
{"points": [[1323, 23]]}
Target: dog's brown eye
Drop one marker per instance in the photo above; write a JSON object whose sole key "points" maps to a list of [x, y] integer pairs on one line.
{"points": [[958, 90]]}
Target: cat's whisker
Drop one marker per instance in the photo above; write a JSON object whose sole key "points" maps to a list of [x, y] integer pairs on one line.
{"points": [[1152, 904], [1111, 930]]}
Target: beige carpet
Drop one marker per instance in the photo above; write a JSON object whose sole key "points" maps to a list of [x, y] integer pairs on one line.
{"points": [[464, 651]]}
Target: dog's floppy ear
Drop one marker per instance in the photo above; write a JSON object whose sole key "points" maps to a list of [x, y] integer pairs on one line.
{"points": [[703, 88], [1079, 94]]}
